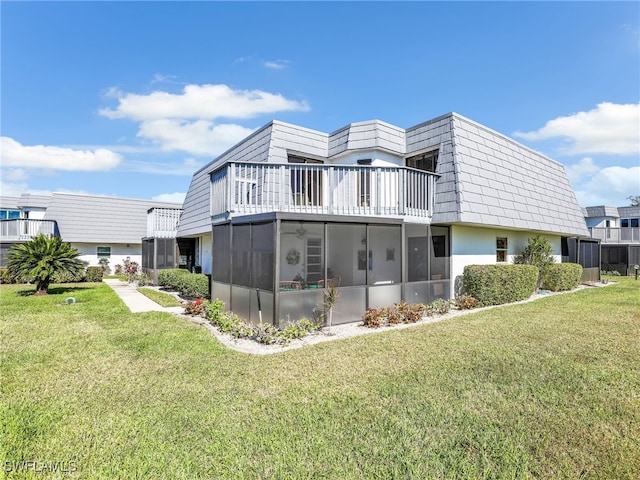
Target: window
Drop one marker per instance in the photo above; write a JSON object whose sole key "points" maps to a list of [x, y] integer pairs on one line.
{"points": [[9, 214], [306, 182], [501, 249], [364, 184], [104, 252], [624, 223], [425, 161], [634, 222]]}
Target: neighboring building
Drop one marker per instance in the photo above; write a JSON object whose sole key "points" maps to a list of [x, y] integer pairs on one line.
{"points": [[618, 230], [383, 213], [98, 226]]}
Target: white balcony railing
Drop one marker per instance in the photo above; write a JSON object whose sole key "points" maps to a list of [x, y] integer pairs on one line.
{"points": [[20, 229], [241, 188], [163, 222], [616, 235]]}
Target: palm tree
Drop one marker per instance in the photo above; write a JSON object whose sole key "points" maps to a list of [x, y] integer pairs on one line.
{"points": [[40, 258]]}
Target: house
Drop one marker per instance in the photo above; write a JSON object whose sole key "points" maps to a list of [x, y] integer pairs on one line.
{"points": [[380, 212], [618, 230], [97, 226]]}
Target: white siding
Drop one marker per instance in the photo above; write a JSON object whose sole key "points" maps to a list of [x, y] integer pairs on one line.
{"points": [[119, 252], [477, 246]]}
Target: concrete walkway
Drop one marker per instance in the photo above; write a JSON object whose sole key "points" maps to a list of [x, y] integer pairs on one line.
{"points": [[135, 301]]}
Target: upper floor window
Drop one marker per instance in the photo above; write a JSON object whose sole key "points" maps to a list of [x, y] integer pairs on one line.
{"points": [[364, 183], [426, 161], [306, 182], [630, 222], [298, 159], [501, 249], [9, 214]]}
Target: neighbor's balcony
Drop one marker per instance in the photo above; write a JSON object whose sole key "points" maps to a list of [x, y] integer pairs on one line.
{"points": [[616, 235], [21, 229], [242, 188], [163, 222]]}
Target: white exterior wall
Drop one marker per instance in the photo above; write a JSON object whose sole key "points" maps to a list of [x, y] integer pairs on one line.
{"points": [[34, 213], [477, 246], [600, 222], [119, 252], [378, 158], [205, 243]]}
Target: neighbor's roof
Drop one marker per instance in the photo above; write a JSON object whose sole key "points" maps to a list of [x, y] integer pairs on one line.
{"points": [[29, 200], [601, 211], [9, 202], [96, 219]]}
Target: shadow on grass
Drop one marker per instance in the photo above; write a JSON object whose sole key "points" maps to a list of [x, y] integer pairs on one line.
{"points": [[54, 290]]}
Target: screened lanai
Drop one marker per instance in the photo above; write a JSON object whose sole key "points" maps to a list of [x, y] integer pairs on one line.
{"points": [[277, 269]]}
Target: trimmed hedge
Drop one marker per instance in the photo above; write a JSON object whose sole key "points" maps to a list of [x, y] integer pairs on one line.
{"points": [[65, 277], [169, 278], [562, 276], [499, 284], [194, 285], [4, 276], [94, 274]]}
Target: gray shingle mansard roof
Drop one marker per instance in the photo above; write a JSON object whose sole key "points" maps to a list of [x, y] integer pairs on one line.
{"points": [[486, 178], [96, 219], [600, 211]]}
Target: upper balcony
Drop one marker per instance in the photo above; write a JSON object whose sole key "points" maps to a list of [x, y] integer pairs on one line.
{"points": [[23, 229], [616, 235], [243, 188], [163, 222]]}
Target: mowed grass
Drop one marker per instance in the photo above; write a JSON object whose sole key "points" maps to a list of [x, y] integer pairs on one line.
{"points": [[548, 389], [161, 298]]}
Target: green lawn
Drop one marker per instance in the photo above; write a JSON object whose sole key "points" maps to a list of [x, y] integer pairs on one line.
{"points": [[161, 298], [548, 389]]}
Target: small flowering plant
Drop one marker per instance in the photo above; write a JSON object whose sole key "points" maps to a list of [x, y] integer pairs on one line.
{"points": [[196, 307]]}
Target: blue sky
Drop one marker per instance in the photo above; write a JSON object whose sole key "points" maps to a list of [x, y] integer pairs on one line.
{"points": [[130, 99]]}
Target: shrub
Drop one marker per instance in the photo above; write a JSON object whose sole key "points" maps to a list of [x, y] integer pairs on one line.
{"points": [[265, 333], [374, 317], [68, 276], [562, 276], [499, 284], [410, 312], [197, 307], [169, 278], [193, 285], [94, 274], [4, 276], [294, 330], [401, 312], [214, 310], [613, 273], [440, 306], [538, 253], [467, 302], [141, 279]]}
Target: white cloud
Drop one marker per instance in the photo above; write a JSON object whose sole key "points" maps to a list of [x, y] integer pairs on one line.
{"points": [[160, 78], [15, 154], [206, 102], [585, 167], [17, 189], [177, 197], [276, 64], [609, 128], [608, 186], [201, 137], [185, 168], [15, 174]]}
